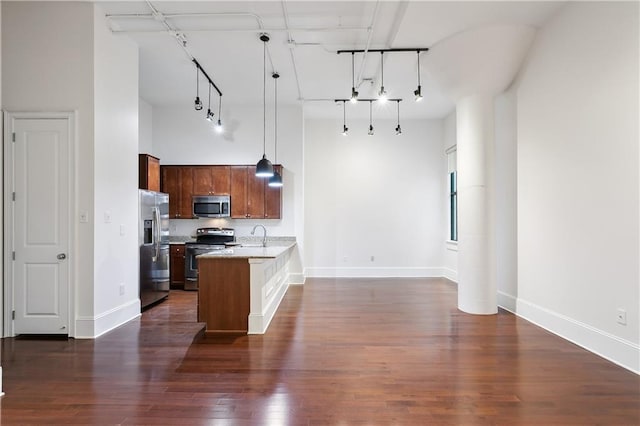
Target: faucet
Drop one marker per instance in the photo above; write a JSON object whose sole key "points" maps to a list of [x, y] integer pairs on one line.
{"points": [[264, 240]]}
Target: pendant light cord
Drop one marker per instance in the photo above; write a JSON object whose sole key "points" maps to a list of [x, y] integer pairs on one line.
{"points": [[418, 68], [197, 82], [353, 81], [209, 97], [219, 106], [275, 157], [344, 114], [370, 121], [398, 113], [264, 98], [382, 68]]}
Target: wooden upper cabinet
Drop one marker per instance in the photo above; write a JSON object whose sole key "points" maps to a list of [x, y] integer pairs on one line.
{"points": [[148, 172], [251, 197], [210, 180], [273, 198], [177, 181], [238, 192]]}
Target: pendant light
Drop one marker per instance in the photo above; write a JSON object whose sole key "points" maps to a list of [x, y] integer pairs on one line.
{"points": [[345, 129], [418, 91], [209, 113], [218, 126], [264, 168], [354, 93], [398, 129], [275, 181], [198, 102], [370, 133], [382, 94]]}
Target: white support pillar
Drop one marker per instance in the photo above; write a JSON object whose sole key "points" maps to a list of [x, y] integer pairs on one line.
{"points": [[477, 288]]}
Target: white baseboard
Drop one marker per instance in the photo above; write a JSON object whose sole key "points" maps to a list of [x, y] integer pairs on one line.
{"points": [[507, 302], [92, 327], [450, 274], [619, 351], [297, 279], [381, 272]]}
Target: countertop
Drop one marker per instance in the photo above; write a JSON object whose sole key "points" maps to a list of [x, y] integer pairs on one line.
{"points": [[269, 252]]}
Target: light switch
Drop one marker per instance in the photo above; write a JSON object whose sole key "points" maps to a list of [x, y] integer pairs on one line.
{"points": [[107, 216], [84, 216]]}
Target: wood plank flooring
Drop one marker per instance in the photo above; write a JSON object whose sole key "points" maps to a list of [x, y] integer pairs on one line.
{"points": [[338, 352]]}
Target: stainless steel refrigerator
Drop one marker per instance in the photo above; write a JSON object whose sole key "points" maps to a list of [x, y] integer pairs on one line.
{"points": [[153, 239]]}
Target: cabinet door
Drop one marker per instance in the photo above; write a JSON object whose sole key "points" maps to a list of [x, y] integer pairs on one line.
{"points": [[221, 179], [148, 172], [255, 194], [238, 175], [171, 185], [186, 190], [273, 198], [202, 181], [177, 266]]}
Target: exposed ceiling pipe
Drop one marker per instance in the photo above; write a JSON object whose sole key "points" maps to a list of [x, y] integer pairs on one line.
{"points": [[364, 55], [180, 38], [291, 42], [246, 30]]}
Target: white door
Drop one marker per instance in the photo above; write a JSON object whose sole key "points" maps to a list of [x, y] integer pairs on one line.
{"points": [[41, 225]]}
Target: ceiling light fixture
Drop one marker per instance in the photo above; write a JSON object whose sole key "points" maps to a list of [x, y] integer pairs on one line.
{"points": [[198, 102], [209, 113], [382, 94], [264, 168], [398, 129], [219, 127], [345, 129], [418, 91], [275, 181], [370, 122], [354, 93]]}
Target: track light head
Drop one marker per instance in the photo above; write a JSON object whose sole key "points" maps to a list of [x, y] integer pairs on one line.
{"points": [[198, 104], [382, 95], [354, 95], [418, 93], [209, 115], [219, 127], [370, 133], [398, 130], [345, 130]]}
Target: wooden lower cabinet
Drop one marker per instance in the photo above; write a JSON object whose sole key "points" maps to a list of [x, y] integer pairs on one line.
{"points": [[176, 268], [223, 295]]}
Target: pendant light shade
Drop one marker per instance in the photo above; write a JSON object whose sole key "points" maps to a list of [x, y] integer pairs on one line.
{"points": [[345, 129], [275, 181], [418, 92], [264, 168], [354, 92], [398, 129], [382, 94], [370, 133]]}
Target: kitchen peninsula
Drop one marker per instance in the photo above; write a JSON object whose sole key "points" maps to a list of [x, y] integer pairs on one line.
{"points": [[240, 288]]}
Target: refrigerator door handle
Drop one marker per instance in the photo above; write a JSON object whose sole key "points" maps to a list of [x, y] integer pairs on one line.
{"points": [[156, 234]]}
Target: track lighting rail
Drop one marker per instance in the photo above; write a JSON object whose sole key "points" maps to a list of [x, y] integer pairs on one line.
{"points": [[366, 100], [195, 61], [400, 49]]}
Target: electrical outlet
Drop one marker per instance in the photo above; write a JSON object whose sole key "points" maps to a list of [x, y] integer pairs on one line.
{"points": [[121, 289], [622, 316]]}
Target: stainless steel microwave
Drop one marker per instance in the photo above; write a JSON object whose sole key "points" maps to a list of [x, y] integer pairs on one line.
{"points": [[211, 205]]}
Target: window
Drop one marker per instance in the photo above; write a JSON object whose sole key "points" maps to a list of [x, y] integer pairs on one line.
{"points": [[452, 184], [453, 207]]}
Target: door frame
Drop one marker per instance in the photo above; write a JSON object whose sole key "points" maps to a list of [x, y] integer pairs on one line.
{"points": [[8, 209]]}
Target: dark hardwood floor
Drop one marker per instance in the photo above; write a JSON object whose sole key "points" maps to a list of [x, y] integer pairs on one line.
{"points": [[338, 352]]}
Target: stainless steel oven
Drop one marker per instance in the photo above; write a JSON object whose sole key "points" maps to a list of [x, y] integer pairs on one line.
{"points": [[207, 239]]}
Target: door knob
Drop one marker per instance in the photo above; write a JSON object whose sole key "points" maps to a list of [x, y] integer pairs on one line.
{"points": [[62, 256]]}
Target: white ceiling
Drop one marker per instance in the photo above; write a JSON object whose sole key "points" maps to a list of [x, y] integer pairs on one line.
{"points": [[227, 45]]}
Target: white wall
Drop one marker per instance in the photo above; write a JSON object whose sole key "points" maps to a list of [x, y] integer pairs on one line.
{"points": [[183, 136], [578, 217], [145, 127], [506, 240], [377, 196], [115, 177], [47, 65], [450, 259]]}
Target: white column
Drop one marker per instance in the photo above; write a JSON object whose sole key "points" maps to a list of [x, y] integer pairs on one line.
{"points": [[477, 288]]}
